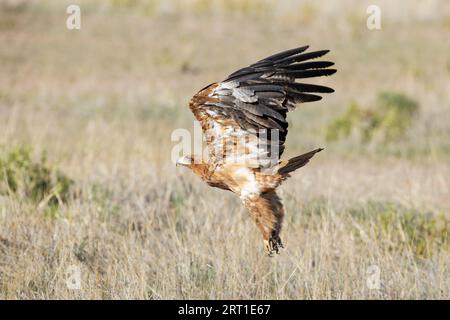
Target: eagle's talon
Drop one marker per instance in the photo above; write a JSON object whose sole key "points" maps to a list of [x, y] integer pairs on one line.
{"points": [[268, 247], [273, 245]]}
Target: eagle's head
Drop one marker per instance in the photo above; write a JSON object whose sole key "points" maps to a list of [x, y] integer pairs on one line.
{"points": [[195, 163], [190, 161], [185, 161]]}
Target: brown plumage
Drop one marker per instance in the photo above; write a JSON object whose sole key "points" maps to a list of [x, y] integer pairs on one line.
{"points": [[244, 122]]}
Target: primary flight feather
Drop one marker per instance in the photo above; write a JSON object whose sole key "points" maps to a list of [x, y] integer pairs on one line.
{"points": [[244, 121]]}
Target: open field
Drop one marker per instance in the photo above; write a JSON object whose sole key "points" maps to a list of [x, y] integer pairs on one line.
{"points": [[101, 103]]}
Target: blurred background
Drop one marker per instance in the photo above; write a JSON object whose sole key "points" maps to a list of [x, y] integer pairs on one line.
{"points": [[86, 178]]}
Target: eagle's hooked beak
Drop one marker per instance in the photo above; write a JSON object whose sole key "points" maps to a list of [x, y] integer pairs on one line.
{"points": [[184, 161]]}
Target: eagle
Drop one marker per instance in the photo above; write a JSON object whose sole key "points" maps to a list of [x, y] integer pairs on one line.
{"points": [[243, 119]]}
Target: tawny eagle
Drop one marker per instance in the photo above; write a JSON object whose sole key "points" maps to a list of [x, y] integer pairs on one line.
{"points": [[244, 122]]}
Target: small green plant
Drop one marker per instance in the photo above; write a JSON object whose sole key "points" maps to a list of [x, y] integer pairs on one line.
{"points": [[176, 203], [33, 180], [396, 114], [408, 228], [342, 127], [104, 199], [388, 120], [201, 272]]}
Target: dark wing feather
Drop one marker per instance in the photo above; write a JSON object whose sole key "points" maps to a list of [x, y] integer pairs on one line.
{"points": [[259, 96]]}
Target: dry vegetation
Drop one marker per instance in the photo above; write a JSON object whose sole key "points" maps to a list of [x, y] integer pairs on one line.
{"points": [[101, 103]]}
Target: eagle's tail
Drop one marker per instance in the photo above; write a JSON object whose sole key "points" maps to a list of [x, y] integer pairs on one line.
{"points": [[296, 162]]}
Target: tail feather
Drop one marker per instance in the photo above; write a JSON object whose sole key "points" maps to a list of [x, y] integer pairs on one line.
{"points": [[297, 162]]}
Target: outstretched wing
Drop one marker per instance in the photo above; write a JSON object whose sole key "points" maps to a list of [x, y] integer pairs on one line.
{"points": [[245, 115]]}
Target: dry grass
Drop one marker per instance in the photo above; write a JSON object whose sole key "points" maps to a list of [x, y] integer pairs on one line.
{"points": [[102, 102]]}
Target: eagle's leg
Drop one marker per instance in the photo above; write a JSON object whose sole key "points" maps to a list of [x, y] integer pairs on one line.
{"points": [[272, 241], [267, 212], [273, 244]]}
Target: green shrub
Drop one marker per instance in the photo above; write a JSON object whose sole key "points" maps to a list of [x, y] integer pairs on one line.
{"points": [[396, 112], [388, 120], [410, 229], [36, 181], [342, 127]]}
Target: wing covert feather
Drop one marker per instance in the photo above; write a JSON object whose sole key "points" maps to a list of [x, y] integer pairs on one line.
{"points": [[257, 99]]}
